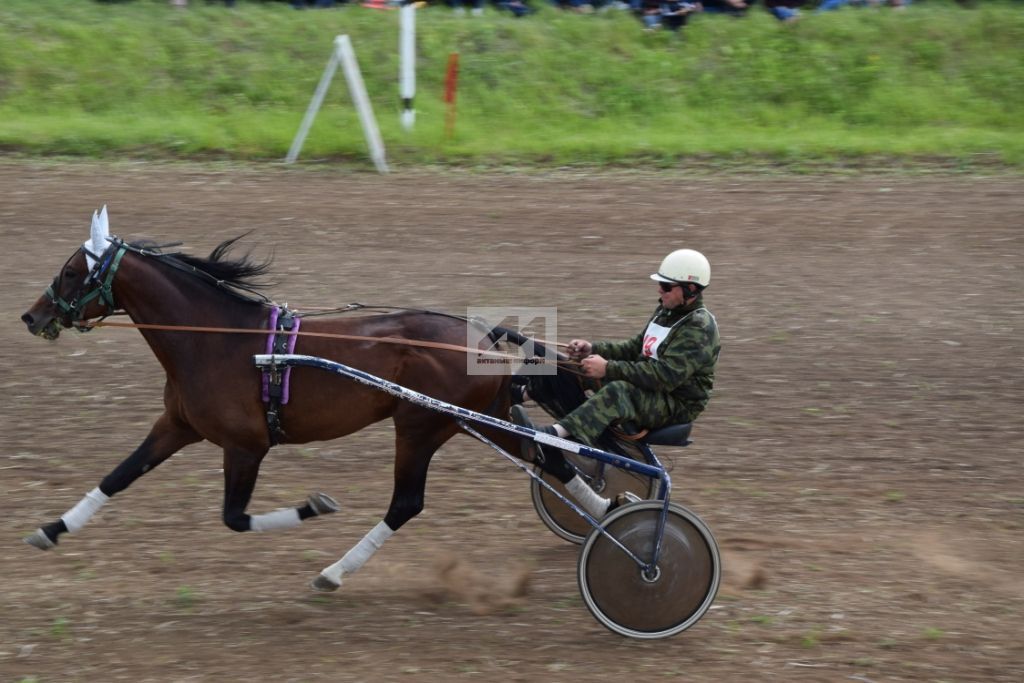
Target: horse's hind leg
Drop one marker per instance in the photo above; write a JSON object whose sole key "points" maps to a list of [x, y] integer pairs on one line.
{"points": [[416, 444], [241, 468], [165, 439]]}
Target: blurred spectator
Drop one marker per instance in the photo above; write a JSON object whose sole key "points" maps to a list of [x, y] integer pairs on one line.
{"points": [[827, 5], [458, 6], [734, 7], [581, 6], [649, 12], [670, 14], [675, 13], [518, 8], [784, 10]]}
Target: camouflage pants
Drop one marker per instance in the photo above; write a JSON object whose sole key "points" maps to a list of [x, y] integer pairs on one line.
{"points": [[563, 397]]}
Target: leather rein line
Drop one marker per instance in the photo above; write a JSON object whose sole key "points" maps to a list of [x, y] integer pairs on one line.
{"points": [[302, 333], [108, 262]]}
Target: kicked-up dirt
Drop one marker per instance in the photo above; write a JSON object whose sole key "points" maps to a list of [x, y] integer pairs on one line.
{"points": [[860, 463]]}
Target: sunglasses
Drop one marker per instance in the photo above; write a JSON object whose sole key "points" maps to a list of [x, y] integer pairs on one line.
{"points": [[668, 286]]}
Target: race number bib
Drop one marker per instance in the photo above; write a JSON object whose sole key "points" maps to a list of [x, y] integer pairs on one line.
{"points": [[656, 334], [653, 338]]}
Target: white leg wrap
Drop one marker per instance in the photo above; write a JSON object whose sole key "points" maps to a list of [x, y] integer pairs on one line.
{"points": [[285, 518], [359, 554], [76, 517], [591, 502]]}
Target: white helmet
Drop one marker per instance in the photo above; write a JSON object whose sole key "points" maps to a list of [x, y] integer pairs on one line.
{"points": [[684, 265]]}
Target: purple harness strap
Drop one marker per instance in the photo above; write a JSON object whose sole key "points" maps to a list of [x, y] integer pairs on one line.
{"points": [[289, 348]]}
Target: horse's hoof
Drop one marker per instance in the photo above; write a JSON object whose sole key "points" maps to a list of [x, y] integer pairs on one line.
{"points": [[40, 540], [322, 504], [323, 584]]}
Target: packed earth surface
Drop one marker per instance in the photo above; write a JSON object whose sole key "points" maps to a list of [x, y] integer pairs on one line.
{"points": [[859, 464]]}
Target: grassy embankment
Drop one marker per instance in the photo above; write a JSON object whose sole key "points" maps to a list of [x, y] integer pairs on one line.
{"points": [[142, 79]]}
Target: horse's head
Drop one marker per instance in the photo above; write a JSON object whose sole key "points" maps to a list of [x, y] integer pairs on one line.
{"points": [[81, 288]]}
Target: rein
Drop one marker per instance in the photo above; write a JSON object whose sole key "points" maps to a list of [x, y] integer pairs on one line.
{"points": [[302, 333], [106, 268]]}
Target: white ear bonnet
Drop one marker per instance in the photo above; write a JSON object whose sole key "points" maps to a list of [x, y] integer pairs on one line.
{"points": [[97, 242]]}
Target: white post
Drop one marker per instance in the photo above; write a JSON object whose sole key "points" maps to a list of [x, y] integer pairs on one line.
{"points": [[314, 107], [362, 101], [407, 58]]}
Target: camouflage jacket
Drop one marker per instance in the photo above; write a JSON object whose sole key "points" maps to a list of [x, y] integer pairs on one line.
{"points": [[685, 367]]}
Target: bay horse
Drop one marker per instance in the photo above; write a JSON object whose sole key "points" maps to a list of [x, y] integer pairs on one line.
{"points": [[213, 390]]}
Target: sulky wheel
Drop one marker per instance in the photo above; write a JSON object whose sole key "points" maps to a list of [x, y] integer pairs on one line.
{"points": [[679, 591], [608, 481]]}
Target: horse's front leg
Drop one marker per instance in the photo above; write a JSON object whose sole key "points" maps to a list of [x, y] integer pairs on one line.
{"points": [[241, 468], [165, 439]]}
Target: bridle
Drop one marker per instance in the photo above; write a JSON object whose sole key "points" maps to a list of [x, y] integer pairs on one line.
{"points": [[98, 284]]}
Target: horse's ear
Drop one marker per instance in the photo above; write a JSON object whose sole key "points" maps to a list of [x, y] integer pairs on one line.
{"points": [[98, 233], [90, 244], [105, 227], [94, 229]]}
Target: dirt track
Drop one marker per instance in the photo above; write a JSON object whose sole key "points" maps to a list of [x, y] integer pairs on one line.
{"points": [[860, 463]]}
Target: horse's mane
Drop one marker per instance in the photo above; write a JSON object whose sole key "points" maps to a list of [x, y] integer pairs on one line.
{"points": [[233, 274]]}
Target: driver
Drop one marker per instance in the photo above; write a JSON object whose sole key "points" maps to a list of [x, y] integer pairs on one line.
{"points": [[661, 376]]}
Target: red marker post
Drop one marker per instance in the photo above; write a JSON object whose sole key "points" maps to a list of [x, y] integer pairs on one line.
{"points": [[451, 85]]}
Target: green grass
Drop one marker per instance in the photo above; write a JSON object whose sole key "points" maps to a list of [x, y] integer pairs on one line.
{"points": [[185, 598], [142, 79], [811, 639], [60, 628]]}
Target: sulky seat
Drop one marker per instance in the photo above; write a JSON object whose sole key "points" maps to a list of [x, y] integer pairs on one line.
{"points": [[672, 435]]}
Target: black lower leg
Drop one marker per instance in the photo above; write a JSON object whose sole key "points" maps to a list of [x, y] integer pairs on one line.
{"points": [[133, 467], [163, 440], [54, 530], [241, 467], [555, 463]]}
